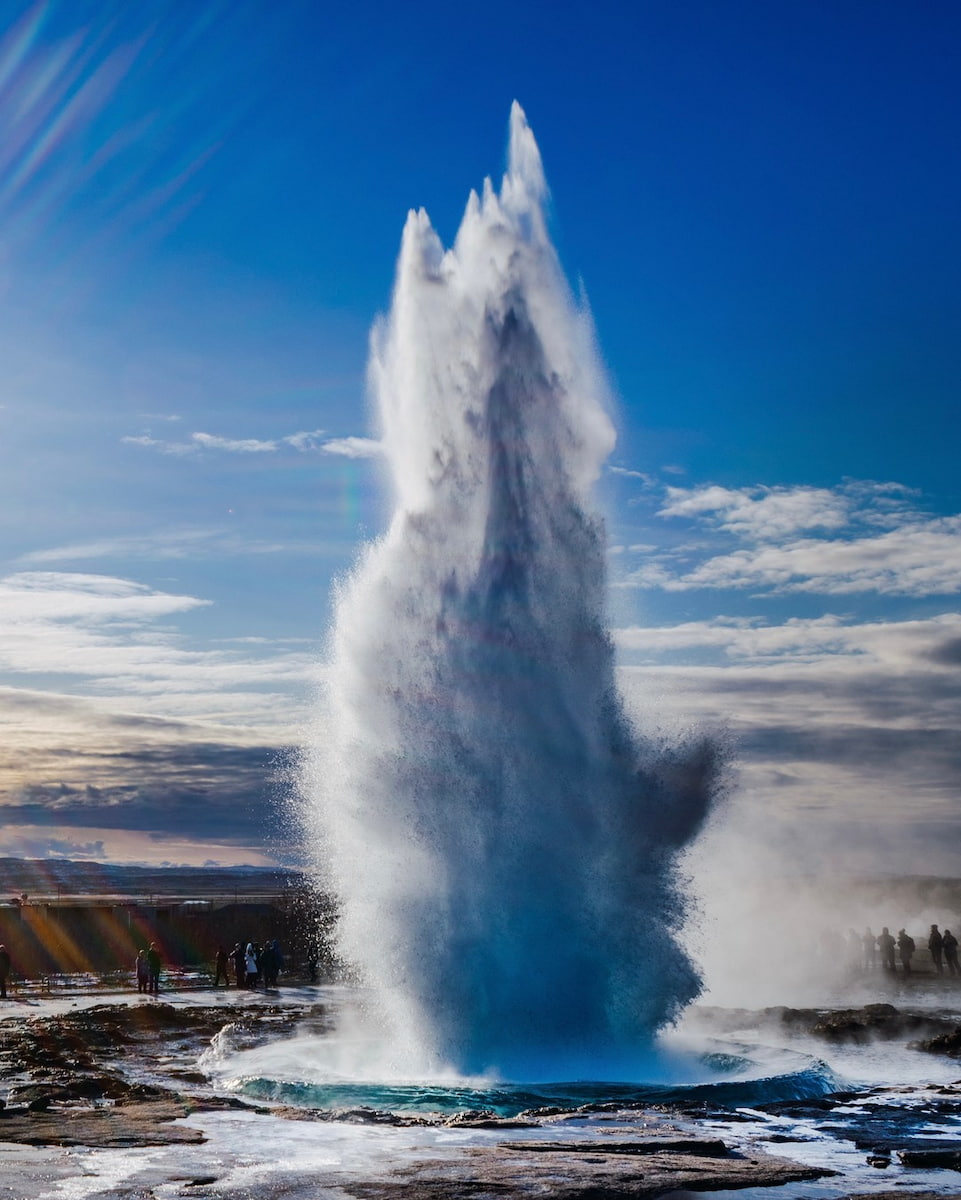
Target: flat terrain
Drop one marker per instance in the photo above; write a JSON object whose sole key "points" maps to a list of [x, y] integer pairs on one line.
{"points": [[103, 1099]]}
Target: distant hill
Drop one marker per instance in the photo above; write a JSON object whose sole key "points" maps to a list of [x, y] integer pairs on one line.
{"points": [[49, 877]]}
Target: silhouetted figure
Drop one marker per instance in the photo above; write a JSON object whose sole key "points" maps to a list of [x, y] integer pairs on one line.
{"points": [[270, 965], [240, 964], [143, 970], [905, 950], [949, 944], [886, 944], [220, 967], [153, 969], [4, 971], [271, 961], [869, 952], [936, 946]]}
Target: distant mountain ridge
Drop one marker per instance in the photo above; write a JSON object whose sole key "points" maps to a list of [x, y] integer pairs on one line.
{"points": [[46, 877]]}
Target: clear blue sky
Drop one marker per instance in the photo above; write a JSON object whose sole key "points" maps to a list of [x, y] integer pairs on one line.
{"points": [[200, 210]]}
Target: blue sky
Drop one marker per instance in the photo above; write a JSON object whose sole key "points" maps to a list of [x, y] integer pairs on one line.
{"points": [[200, 211]]}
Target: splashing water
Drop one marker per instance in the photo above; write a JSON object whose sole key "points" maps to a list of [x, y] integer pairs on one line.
{"points": [[501, 841]]}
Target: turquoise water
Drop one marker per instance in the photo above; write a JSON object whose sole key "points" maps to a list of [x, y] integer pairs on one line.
{"points": [[510, 1100]]}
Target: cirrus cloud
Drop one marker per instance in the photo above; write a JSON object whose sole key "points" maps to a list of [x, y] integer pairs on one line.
{"points": [[860, 537]]}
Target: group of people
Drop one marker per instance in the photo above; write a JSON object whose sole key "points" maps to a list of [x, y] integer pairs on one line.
{"points": [[147, 970], [873, 953], [252, 964]]}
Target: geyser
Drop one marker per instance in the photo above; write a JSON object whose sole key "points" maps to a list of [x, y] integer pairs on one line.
{"points": [[500, 839]]}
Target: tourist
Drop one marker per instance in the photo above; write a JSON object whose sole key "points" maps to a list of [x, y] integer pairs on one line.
{"points": [[4, 970], [905, 950], [220, 967], [251, 970], [949, 944], [886, 945], [271, 962], [143, 971], [869, 949], [240, 964], [936, 946], [267, 966], [153, 969]]}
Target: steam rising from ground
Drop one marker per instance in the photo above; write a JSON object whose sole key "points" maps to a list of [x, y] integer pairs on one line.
{"points": [[500, 839]]}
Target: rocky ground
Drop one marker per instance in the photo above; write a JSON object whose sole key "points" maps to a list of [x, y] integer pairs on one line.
{"points": [[121, 1077]]}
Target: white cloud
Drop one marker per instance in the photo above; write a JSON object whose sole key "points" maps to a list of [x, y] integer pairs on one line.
{"points": [[860, 537], [353, 447], [922, 558], [150, 443], [176, 544], [761, 513], [208, 441], [302, 441], [626, 473], [922, 645], [111, 640]]}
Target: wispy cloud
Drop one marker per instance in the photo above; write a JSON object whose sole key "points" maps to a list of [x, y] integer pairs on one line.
{"points": [[353, 447], [174, 544], [112, 641], [304, 441], [761, 513], [932, 645], [860, 537], [627, 473]]}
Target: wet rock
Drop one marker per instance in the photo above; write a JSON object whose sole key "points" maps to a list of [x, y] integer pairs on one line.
{"points": [[706, 1147], [576, 1171], [933, 1154], [486, 1119], [144, 1124], [943, 1043]]}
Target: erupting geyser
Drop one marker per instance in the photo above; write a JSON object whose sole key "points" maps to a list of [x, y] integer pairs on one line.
{"points": [[500, 839]]}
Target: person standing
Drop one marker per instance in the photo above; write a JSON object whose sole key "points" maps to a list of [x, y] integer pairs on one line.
{"points": [[269, 966], [4, 971], [220, 967], [886, 945], [250, 966], [143, 971], [153, 969], [936, 946], [905, 950], [949, 944], [240, 964], [869, 948]]}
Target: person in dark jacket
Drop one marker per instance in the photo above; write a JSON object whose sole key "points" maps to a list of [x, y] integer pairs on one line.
{"points": [[4, 971], [886, 944], [240, 964], [269, 965], [905, 950], [220, 967], [153, 969], [936, 946], [949, 944], [143, 971]]}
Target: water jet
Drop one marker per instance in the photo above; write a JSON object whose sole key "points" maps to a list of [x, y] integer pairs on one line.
{"points": [[500, 839]]}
